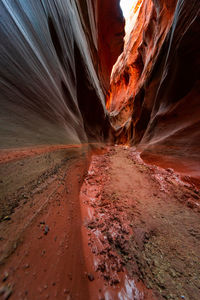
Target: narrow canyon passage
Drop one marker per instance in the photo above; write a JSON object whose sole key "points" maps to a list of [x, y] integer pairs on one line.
{"points": [[131, 233], [99, 149]]}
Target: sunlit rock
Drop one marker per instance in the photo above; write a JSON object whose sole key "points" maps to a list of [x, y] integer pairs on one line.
{"points": [[154, 93]]}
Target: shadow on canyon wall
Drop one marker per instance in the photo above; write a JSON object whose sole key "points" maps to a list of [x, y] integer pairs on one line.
{"points": [[154, 95]]}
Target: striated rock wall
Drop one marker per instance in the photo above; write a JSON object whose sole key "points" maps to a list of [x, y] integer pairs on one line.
{"points": [[154, 93], [103, 24], [52, 83], [111, 24]]}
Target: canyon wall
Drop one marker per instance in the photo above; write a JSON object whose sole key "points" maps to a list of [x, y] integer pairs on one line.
{"points": [[53, 81], [110, 37], [154, 95], [53, 84]]}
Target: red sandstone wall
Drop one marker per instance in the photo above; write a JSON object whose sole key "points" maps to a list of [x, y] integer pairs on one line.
{"points": [[103, 23], [110, 26], [154, 94], [136, 62]]}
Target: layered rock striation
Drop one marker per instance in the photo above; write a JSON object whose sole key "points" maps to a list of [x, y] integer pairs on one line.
{"points": [[154, 94], [55, 64], [54, 71]]}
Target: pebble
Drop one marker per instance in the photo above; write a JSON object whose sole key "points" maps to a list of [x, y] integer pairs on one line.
{"points": [[6, 218], [192, 204], [90, 277], [6, 291], [46, 230], [26, 266], [5, 276]]}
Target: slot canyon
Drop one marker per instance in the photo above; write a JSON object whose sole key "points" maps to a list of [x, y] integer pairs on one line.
{"points": [[99, 149]]}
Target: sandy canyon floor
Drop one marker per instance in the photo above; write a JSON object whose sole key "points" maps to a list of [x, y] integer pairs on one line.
{"points": [[127, 231]]}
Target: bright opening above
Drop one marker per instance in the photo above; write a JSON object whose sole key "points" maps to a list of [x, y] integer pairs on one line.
{"points": [[130, 10], [126, 6]]}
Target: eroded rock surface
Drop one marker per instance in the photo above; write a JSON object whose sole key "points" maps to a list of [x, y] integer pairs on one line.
{"points": [[140, 222], [134, 231], [154, 94], [55, 68]]}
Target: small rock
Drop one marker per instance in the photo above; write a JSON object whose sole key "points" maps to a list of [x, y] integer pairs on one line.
{"points": [[7, 294], [2, 289], [90, 277], [6, 291], [192, 204], [26, 266], [5, 277], [46, 230], [6, 218]]}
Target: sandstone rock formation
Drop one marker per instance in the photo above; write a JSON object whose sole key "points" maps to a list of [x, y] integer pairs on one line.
{"points": [[80, 217], [54, 70], [154, 94]]}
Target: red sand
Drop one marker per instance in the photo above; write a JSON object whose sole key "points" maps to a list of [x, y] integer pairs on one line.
{"points": [[92, 240]]}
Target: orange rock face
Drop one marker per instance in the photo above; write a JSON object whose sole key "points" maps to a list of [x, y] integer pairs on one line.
{"points": [[104, 25], [135, 64], [110, 37], [153, 98]]}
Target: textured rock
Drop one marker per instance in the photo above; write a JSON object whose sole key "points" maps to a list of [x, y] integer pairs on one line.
{"points": [[110, 37], [51, 78], [154, 94], [104, 24], [55, 63]]}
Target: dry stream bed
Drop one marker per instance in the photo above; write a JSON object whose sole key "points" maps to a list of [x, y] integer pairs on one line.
{"points": [[127, 231]]}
